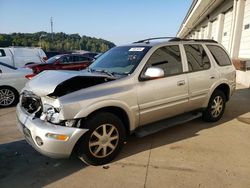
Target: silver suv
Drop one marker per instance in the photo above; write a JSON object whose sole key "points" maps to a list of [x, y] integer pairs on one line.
{"points": [[143, 88]]}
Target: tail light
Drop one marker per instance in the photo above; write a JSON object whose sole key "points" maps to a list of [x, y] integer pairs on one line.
{"points": [[29, 76]]}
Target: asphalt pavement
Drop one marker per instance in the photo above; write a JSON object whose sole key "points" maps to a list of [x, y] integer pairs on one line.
{"points": [[194, 154]]}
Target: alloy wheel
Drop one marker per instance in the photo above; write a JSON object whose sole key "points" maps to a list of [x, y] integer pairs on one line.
{"points": [[7, 97], [217, 106], [104, 140]]}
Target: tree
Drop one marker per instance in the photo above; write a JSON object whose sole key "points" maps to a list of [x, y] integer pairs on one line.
{"points": [[61, 41]]}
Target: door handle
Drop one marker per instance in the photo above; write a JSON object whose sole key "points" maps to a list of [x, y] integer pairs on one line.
{"points": [[181, 83], [212, 77]]}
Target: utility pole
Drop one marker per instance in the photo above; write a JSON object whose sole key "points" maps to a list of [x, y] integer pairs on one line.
{"points": [[51, 27]]}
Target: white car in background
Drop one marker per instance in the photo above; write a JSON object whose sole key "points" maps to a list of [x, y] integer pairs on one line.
{"points": [[21, 56], [12, 80]]}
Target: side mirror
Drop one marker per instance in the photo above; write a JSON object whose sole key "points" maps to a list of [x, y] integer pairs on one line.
{"points": [[153, 73]]}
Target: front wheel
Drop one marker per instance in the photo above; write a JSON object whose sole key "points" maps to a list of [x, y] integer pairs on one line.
{"points": [[103, 141], [216, 107]]}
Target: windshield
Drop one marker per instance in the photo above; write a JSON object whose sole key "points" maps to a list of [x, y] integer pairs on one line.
{"points": [[120, 60], [53, 59]]}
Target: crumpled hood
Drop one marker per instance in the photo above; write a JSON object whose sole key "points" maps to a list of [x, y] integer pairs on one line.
{"points": [[58, 83]]}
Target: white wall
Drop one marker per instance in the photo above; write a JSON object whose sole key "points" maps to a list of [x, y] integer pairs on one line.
{"points": [[227, 26], [243, 77], [245, 37], [214, 30]]}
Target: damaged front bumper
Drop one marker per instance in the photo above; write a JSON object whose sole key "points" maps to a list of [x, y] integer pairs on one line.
{"points": [[36, 133]]}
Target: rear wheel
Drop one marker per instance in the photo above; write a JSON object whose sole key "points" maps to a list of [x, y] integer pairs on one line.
{"points": [[216, 107], [103, 141], [8, 96]]}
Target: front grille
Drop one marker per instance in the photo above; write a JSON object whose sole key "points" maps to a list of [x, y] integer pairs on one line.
{"points": [[31, 103]]}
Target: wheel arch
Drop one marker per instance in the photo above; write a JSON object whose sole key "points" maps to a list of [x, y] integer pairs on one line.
{"points": [[129, 115], [223, 86], [225, 89], [10, 87], [119, 112]]}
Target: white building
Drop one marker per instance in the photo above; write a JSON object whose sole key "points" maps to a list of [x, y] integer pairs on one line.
{"points": [[226, 21]]}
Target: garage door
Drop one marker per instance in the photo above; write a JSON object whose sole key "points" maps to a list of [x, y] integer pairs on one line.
{"points": [[214, 30], [227, 29], [245, 37], [197, 35], [202, 33], [205, 32]]}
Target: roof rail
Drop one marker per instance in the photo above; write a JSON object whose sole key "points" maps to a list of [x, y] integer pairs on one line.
{"points": [[149, 39], [195, 40], [172, 39]]}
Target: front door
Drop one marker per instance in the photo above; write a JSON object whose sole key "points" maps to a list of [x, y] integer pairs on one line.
{"points": [[163, 97]]}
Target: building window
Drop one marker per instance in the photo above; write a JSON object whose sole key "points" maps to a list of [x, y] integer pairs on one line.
{"points": [[247, 26], [225, 34]]}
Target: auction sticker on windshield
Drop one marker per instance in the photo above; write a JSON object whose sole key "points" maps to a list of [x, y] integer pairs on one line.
{"points": [[136, 49]]}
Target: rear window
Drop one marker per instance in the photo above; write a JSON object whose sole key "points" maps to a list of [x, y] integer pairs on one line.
{"points": [[220, 56]]}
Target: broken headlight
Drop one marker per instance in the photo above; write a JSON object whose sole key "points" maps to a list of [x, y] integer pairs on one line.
{"points": [[50, 114]]}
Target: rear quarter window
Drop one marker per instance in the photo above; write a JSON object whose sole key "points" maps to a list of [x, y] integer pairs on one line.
{"points": [[220, 56]]}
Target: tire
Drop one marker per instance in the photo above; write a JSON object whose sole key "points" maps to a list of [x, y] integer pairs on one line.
{"points": [[215, 108], [8, 97], [96, 148]]}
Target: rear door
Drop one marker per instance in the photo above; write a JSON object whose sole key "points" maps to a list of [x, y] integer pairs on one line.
{"points": [[84, 62], [80, 62], [163, 97], [201, 75], [64, 63]]}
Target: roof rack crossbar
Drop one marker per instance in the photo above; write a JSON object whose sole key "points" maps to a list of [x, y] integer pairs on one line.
{"points": [[155, 38]]}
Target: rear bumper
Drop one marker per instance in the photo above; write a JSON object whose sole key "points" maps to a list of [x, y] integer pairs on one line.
{"points": [[33, 128]]}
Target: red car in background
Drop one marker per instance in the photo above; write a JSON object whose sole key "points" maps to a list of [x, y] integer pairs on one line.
{"points": [[62, 62]]}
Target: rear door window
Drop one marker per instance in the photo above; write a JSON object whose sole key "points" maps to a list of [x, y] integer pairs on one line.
{"points": [[81, 58], [65, 60], [196, 57], [220, 56]]}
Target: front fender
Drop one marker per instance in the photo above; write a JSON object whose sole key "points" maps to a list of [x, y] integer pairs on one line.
{"points": [[131, 111]]}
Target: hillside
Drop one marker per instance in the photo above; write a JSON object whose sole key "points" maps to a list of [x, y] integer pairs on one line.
{"points": [[57, 42]]}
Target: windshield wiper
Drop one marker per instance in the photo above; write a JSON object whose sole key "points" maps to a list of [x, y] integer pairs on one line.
{"points": [[106, 72], [111, 74]]}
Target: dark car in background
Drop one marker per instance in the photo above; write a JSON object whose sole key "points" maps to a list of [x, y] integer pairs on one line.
{"points": [[63, 62], [50, 54], [91, 54]]}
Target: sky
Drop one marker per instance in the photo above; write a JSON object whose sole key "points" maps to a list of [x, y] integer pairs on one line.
{"points": [[119, 21]]}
